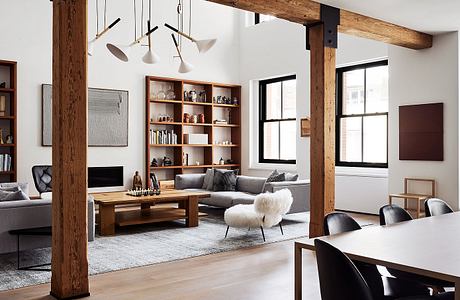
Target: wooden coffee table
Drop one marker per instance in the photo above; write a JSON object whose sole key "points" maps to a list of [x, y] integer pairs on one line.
{"points": [[148, 213]]}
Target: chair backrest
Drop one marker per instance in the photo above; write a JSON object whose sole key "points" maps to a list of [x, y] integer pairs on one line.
{"points": [[436, 207], [338, 276], [338, 222], [391, 214], [42, 178], [277, 203]]}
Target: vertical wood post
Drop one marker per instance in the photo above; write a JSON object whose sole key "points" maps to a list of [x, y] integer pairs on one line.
{"points": [[69, 247], [322, 143]]}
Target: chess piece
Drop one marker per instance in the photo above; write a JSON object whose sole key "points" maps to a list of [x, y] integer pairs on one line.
{"points": [[137, 181]]}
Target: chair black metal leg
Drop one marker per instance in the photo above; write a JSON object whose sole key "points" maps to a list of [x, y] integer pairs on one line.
{"points": [[17, 252], [281, 228], [226, 232], [263, 234]]}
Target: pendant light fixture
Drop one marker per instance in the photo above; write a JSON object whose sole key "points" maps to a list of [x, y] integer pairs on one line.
{"points": [[184, 67], [150, 57], [104, 31], [202, 45], [122, 51]]}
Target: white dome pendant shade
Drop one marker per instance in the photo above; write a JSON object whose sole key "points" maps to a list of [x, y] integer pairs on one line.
{"points": [[122, 51], [99, 35], [202, 45], [150, 57], [184, 67]]}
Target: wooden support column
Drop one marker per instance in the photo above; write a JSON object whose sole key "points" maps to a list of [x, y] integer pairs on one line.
{"points": [[70, 244], [322, 140]]}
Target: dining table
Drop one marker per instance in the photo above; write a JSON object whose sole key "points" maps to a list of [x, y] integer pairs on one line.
{"points": [[427, 246]]}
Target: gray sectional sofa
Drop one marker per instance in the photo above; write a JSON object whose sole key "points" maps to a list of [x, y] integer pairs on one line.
{"points": [[23, 214], [247, 188]]}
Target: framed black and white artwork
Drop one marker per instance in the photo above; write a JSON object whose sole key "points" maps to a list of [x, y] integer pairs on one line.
{"points": [[107, 117]]}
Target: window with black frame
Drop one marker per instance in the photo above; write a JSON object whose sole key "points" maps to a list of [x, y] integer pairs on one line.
{"points": [[277, 120], [362, 115]]}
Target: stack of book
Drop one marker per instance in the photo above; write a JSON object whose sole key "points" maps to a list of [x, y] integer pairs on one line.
{"points": [[159, 137], [5, 162]]}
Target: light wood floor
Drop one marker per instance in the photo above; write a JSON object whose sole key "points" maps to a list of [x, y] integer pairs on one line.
{"points": [[263, 272]]}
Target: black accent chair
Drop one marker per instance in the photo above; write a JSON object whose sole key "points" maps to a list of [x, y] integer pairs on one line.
{"points": [[392, 214], [381, 287], [42, 178], [340, 279], [436, 207]]}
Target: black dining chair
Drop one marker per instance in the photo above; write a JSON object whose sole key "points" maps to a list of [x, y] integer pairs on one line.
{"points": [[339, 278], [382, 287], [436, 207], [392, 214]]}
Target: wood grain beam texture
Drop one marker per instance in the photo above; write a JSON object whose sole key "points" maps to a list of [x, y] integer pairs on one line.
{"points": [[322, 138], [307, 12], [69, 240]]}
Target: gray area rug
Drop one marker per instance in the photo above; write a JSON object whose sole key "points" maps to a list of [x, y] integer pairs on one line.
{"points": [[137, 246]]}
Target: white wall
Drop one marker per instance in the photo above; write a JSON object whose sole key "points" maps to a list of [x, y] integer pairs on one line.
{"points": [[26, 38], [418, 77], [277, 48]]}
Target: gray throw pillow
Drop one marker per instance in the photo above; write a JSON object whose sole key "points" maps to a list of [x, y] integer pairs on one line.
{"points": [[275, 176], [291, 177], [225, 180], [208, 182], [13, 195]]}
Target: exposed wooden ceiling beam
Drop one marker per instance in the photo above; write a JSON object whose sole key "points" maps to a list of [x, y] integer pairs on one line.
{"points": [[306, 11]]}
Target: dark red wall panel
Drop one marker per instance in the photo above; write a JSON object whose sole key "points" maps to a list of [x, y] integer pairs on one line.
{"points": [[421, 131]]}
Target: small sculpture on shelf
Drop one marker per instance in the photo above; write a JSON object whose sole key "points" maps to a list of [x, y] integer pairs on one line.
{"points": [[3, 85], [235, 101], [9, 139], [1, 136], [221, 161], [137, 181], [167, 161], [201, 118], [154, 163]]}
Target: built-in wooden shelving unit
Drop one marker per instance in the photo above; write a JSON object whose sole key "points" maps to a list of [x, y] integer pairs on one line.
{"points": [[8, 121], [224, 140]]}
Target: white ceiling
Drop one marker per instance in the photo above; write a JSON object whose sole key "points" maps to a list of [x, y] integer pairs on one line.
{"points": [[428, 16]]}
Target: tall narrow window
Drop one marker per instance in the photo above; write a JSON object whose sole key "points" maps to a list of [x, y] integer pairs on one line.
{"points": [[277, 121], [362, 115], [259, 18]]}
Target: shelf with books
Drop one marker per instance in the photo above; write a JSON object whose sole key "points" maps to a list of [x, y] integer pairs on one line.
{"points": [[193, 114], [8, 126]]}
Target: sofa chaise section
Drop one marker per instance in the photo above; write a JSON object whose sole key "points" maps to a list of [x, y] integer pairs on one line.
{"points": [[23, 214]]}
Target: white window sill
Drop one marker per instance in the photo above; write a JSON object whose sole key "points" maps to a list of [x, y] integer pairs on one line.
{"points": [[362, 172], [271, 167]]}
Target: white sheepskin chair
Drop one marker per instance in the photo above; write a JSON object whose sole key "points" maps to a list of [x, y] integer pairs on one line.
{"points": [[267, 211]]}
